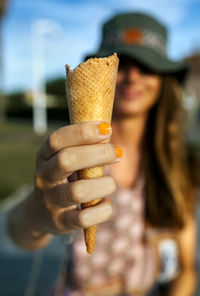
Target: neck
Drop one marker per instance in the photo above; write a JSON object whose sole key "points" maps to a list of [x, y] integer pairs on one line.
{"points": [[128, 132]]}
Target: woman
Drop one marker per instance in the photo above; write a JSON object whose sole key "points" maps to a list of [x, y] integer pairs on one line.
{"points": [[151, 235]]}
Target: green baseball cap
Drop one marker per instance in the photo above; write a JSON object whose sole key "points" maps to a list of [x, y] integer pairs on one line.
{"points": [[143, 38]]}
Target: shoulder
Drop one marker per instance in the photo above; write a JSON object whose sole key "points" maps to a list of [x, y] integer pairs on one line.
{"points": [[187, 241]]}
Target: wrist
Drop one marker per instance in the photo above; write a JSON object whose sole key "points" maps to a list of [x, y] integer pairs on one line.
{"points": [[24, 225], [34, 212]]}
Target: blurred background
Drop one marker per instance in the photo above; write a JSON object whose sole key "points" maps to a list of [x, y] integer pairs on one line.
{"points": [[37, 39]]}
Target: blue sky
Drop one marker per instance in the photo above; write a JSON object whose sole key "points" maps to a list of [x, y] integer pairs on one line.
{"points": [[79, 23]]}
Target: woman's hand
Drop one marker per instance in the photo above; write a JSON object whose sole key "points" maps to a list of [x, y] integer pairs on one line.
{"points": [[54, 205], [55, 202]]}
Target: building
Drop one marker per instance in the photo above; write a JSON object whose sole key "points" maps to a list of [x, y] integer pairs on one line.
{"points": [[192, 92]]}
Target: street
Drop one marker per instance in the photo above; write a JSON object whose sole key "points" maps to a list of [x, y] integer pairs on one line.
{"points": [[24, 273]]}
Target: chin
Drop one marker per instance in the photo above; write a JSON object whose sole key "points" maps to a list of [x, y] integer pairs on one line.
{"points": [[127, 114], [134, 108], [129, 111]]}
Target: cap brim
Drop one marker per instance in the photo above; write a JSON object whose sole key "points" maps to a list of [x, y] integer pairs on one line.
{"points": [[150, 58]]}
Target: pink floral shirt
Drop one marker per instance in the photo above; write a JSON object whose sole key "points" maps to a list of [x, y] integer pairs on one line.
{"points": [[122, 260]]}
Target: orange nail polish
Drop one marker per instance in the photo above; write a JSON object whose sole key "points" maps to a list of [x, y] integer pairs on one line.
{"points": [[104, 128], [119, 152]]}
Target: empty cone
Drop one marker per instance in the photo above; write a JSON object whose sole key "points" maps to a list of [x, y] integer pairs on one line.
{"points": [[90, 89]]}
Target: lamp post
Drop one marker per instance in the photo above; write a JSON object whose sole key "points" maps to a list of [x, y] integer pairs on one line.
{"points": [[40, 29]]}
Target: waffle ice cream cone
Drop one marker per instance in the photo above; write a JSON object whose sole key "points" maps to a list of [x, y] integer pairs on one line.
{"points": [[90, 89]]}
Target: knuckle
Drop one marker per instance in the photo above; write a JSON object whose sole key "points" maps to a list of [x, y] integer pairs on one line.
{"points": [[41, 184], [56, 218], [80, 132], [64, 160], [82, 219], [77, 191], [106, 152], [53, 140], [60, 160], [84, 132], [57, 221], [101, 214], [113, 185], [109, 210]]}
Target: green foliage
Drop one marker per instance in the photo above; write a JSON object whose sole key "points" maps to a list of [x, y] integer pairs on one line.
{"points": [[56, 87], [15, 101], [19, 104], [17, 156]]}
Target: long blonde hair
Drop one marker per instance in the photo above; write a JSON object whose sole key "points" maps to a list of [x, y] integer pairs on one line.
{"points": [[164, 162]]}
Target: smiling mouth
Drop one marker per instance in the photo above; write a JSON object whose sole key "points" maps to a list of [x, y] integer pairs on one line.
{"points": [[130, 94]]}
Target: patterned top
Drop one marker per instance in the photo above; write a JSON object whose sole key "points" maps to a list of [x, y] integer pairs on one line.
{"points": [[123, 260]]}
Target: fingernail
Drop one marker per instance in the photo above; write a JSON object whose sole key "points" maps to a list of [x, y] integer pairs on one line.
{"points": [[119, 152], [104, 128]]}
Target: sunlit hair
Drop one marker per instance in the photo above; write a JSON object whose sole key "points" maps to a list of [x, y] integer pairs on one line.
{"points": [[164, 160]]}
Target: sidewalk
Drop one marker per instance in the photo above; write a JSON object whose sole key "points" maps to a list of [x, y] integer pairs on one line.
{"points": [[24, 273]]}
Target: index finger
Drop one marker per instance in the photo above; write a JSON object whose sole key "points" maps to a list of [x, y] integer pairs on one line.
{"points": [[74, 135]]}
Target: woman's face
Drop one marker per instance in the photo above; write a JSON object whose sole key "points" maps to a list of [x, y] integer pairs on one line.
{"points": [[137, 88]]}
